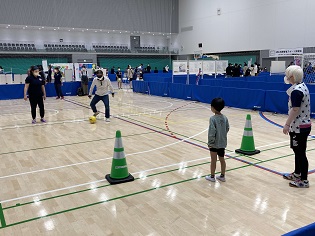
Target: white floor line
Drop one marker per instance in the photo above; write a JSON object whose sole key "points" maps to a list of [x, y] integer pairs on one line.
{"points": [[102, 159], [41, 124], [180, 164]]}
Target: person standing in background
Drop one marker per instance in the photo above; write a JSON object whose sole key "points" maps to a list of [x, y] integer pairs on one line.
{"points": [[130, 75], [119, 78], [35, 87], [42, 73], [49, 72], [148, 68], [58, 83], [84, 80]]}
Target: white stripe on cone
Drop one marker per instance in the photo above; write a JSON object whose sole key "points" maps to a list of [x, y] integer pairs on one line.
{"points": [[248, 133], [118, 143], [248, 124], [119, 155]]}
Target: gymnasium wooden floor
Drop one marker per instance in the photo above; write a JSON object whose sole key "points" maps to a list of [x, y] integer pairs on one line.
{"points": [[52, 175]]}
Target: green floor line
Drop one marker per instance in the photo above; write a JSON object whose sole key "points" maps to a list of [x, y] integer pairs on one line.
{"points": [[2, 219], [150, 175], [139, 192], [109, 200], [69, 144]]}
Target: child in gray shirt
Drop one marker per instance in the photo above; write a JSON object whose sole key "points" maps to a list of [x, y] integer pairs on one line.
{"points": [[217, 138]]}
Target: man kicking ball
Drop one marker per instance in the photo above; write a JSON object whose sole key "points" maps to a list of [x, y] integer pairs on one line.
{"points": [[103, 88]]}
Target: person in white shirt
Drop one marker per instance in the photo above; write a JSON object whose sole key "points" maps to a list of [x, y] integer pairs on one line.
{"points": [[103, 88]]}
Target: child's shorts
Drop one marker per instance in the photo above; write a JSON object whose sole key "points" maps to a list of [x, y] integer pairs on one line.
{"points": [[220, 151]]}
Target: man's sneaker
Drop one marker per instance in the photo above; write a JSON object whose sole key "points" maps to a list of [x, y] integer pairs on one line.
{"points": [[34, 121], [221, 178], [291, 176], [96, 113], [43, 120], [299, 184], [107, 120], [208, 177]]}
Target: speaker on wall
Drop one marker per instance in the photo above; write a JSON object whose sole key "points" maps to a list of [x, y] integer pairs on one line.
{"points": [[200, 45]]}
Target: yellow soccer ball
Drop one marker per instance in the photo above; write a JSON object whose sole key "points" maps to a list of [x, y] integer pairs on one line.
{"points": [[92, 119]]}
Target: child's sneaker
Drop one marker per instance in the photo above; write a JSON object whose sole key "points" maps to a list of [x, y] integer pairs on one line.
{"points": [[43, 120], [57, 97], [34, 121], [221, 178], [96, 113], [299, 184], [107, 120], [291, 176], [208, 177], [62, 98]]}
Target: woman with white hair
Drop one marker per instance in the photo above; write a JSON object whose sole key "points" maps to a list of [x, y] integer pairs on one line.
{"points": [[298, 125]]}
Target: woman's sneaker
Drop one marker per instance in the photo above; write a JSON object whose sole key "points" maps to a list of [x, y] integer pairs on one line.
{"points": [[107, 120], [208, 177], [221, 178], [291, 176], [299, 184], [43, 120], [34, 121]]}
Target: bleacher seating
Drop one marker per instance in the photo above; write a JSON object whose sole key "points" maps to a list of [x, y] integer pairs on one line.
{"points": [[18, 46], [64, 47], [111, 48], [150, 49]]}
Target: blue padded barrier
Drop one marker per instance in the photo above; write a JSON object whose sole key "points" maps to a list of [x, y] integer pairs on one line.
{"points": [[140, 86], [16, 91], [308, 230], [158, 89], [311, 88], [180, 91], [276, 101], [244, 98], [11, 91], [205, 93]]}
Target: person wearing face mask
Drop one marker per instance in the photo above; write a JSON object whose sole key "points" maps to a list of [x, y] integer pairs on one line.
{"points": [[119, 78], [103, 88], [35, 88], [84, 80], [58, 83], [298, 125]]}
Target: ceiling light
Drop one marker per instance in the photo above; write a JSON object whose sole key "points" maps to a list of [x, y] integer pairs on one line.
{"points": [[153, 34], [43, 27], [95, 31], [72, 28], [68, 30], [120, 32], [54, 29], [26, 26], [8, 25], [101, 30]]}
